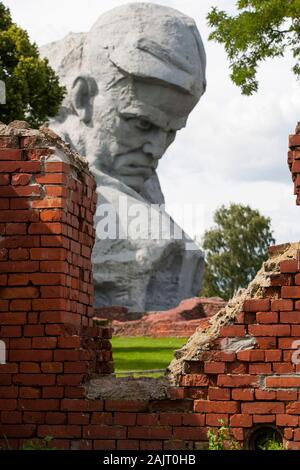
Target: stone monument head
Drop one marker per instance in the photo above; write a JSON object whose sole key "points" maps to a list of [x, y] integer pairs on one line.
{"points": [[132, 82]]}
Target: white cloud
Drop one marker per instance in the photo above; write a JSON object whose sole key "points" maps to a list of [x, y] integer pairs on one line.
{"points": [[234, 148]]}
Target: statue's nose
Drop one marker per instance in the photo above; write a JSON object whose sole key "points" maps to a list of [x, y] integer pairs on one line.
{"points": [[156, 144]]}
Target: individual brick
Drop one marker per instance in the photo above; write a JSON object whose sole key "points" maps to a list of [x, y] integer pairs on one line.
{"points": [[269, 330], [274, 355], [20, 191], [282, 305], [34, 379], [108, 432], [260, 368], [44, 342], [19, 254], [286, 420], [257, 305], [264, 419], [243, 394], [49, 254], [45, 228], [19, 216], [290, 317], [57, 167], [265, 395], [216, 419], [19, 293], [290, 292], [267, 317], [20, 305], [10, 154], [194, 380], [236, 380], [282, 382], [266, 342], [20, 167], [52, 178], [216, 393], [232, 331], [4, 180], [22, 179], [241, 420], [251, 355], [60, 431], [293, 408], [262, 408], [206, 406]]}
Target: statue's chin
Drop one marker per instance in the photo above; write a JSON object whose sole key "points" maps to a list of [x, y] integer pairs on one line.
{"points": [[134, 182]]}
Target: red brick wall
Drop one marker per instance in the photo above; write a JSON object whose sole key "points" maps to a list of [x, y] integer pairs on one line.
{"points": [[46, 290], [259, 385], [42, 396]]}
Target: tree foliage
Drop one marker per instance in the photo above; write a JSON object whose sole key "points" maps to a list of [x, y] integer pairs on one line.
{"points": [[33, 92], [261, 29], [235, 249]]}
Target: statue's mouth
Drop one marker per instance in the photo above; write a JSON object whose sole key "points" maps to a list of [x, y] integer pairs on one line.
{"points": [[135, 164], [136, 170]]}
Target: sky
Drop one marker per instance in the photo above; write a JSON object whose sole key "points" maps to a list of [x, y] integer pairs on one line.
{"points": [[234, 148]]}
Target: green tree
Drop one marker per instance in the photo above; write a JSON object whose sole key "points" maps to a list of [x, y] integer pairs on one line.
{"points": [[235, 249], [33, 92], [261, 29]]}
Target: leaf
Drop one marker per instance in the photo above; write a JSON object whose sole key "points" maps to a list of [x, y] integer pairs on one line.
{"points": [[33, 91], [260, 29], [235, 248]]}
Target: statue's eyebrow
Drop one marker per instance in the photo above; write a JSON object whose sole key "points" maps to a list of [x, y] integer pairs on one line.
{"points": [[153, 115]]}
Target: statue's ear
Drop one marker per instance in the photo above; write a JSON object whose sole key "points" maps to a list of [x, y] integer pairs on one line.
{"points": [[84, 88]]}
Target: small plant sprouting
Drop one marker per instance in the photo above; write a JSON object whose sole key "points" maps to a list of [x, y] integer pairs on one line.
{"points": [[38, 444], [273, 444], [222, 439]]}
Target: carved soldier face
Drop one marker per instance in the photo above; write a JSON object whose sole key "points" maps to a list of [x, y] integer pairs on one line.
{"points": [[132, 80], [133, 126]]}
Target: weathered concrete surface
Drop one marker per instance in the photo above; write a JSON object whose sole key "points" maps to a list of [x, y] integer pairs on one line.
{"points": [[127, 388], [132, 82]]}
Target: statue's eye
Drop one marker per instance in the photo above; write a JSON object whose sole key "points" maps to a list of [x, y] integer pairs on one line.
{"points": [[144, 124]]}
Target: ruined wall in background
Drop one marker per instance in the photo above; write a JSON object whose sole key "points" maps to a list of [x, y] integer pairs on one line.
{"points": [[181, 321]]}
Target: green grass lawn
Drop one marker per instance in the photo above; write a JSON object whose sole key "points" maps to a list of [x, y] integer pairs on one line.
{"points": [[141, 354]]}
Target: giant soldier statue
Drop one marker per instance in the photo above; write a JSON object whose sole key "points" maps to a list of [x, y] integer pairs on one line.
{"points": [[132, 82]]}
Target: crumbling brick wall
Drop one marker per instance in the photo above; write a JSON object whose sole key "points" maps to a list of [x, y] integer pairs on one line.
{"points": [[47, 203], [237, 368], [240, 369]]}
